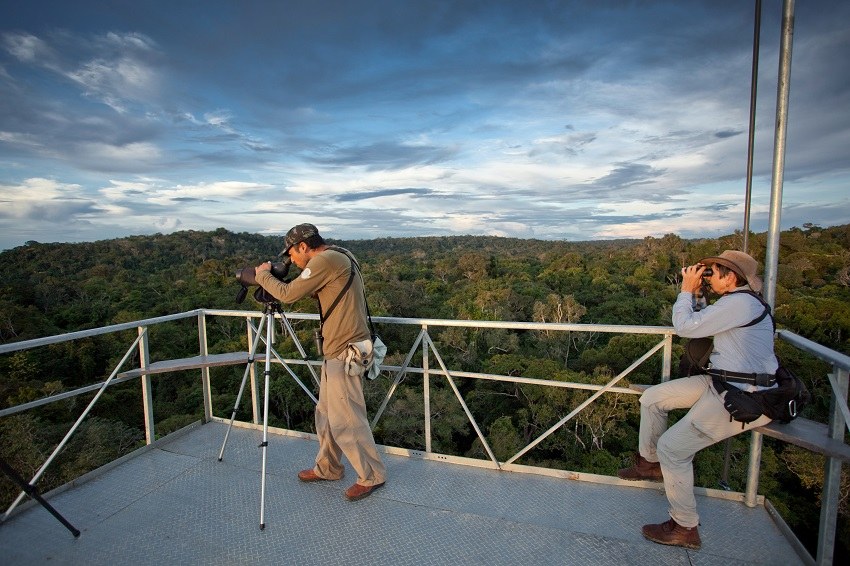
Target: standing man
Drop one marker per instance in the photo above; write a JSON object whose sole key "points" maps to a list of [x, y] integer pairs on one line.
{"points": [[742, 356], [331, 275]]}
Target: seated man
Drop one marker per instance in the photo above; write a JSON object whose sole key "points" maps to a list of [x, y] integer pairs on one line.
{"points": [[743, 344]]}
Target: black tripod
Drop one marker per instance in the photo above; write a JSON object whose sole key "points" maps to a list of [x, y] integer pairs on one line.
{"points": [[270, 307], [32, 491]]}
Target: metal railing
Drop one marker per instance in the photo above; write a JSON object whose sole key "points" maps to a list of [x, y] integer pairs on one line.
{"points": [[839, 415], [839, 422]]}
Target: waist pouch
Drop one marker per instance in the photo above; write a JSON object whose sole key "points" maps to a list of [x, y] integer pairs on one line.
{"points": [[743, 406], [364, 358], [358, 357], [783, 402]]}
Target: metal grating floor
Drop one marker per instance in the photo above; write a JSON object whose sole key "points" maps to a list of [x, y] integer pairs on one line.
{"points": [[177, 504]]}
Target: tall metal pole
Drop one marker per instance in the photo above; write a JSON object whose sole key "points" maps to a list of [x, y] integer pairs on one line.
{"points": [[751, 141], [772, 253], [727, 451], [782, 95]]}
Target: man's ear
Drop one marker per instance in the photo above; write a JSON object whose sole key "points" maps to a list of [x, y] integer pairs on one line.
{"points": [[730, 278]]}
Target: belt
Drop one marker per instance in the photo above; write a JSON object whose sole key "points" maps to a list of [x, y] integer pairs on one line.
{"points": [[760, 379]]}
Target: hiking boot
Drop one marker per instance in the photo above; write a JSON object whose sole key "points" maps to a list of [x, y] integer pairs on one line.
{"points": [[357, 491], [642, 469], [311, 476], [674, 534]]}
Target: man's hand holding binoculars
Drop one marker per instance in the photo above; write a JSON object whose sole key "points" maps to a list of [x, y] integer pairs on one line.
{"points": [[692, 277]]}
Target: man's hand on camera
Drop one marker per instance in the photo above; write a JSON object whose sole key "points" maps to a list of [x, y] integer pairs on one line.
{"points": [[692, 278], [267, 266]]}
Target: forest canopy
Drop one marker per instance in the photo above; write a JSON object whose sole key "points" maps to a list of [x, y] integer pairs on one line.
{"points": [[51, 288]]}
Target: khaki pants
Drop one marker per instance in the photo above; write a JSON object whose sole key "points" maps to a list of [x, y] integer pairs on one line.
{"points": [[343, 428], [705, 424]]}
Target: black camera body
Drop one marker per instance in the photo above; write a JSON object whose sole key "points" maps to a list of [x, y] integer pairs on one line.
{"points": [[247, 277]]}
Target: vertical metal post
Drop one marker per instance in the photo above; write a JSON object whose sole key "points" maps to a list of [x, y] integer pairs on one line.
{"points": [[426, 389], [205, 370], [147, 389], [832, 472], [751, 141], [751, 494], [668, 356], [772, 252], [782, 96]]}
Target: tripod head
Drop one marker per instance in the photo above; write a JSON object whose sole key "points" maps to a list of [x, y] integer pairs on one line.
{"points": [[269, 302]]}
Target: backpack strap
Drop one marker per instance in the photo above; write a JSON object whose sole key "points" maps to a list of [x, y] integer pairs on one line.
{"points": [[766, 306], [324, 316], [354, 267], [698, 350], [760, 379]]}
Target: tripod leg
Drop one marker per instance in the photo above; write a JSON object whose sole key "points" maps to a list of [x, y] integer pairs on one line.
{"points": [[284, 322], [251, 355], [33, 492], [265, 444]]}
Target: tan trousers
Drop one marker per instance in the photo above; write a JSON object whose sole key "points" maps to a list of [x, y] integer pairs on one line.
{"points": [[705, 424], [343, 428]]}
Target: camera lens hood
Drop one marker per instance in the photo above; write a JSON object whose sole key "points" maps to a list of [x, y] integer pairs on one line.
{"points": [[247, 276]]}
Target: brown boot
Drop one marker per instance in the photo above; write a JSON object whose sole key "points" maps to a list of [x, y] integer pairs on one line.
{"points": [[674, 534], [311, 476], [357, 491], [642, 470]]}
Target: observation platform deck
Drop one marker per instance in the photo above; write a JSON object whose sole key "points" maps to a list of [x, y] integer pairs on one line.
{"points": [[174, 503]]}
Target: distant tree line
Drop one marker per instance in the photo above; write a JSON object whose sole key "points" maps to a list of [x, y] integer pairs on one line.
{"points": [[50, 289]]}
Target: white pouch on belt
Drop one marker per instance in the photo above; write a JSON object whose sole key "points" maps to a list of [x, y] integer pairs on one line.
{"points": [[379, 350], [358, 357]]}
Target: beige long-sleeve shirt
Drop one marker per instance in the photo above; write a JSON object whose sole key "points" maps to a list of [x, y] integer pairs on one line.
{"points": [[325, 275]]}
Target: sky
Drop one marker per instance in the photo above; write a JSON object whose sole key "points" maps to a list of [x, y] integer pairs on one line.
{"points": [[571, 120]]}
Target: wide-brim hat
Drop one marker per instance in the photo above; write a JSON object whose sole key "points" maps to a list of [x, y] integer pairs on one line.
{"points": [[298, 234], [739, 262]]}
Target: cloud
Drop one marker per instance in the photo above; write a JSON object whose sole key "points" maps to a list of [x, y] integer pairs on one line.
{"points": [[43, 199], [110, 157], [28, 48], [113, 68], [557, 120], [158, 195], [366, 195], [385, 155]]}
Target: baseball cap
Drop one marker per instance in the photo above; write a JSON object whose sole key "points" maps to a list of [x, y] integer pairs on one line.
{"points": [[298, 234]]}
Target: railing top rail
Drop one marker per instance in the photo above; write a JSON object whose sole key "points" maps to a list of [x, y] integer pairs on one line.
{"points": [[610, 328], [58, 338], [514, 325], [835, 358], [831, 356]]}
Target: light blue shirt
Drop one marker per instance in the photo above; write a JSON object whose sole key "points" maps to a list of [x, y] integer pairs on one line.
{"points": [[745, 350]]}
